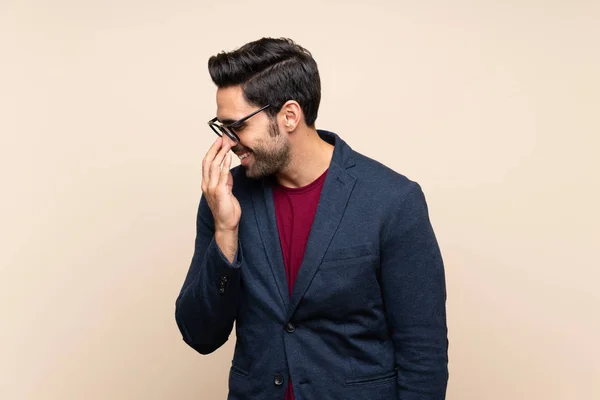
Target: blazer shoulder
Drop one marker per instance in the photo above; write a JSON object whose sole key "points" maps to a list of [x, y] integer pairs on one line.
{"points": [[400, 199], [381, 178]]}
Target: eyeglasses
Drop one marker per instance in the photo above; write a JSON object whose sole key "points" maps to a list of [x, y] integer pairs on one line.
{"points": [[229, 129]]}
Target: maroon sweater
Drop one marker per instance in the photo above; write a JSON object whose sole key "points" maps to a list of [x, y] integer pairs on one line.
{"points": [[295, 210]]}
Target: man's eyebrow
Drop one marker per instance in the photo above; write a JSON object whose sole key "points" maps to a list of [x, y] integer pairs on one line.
{"points": [[226, 121]]}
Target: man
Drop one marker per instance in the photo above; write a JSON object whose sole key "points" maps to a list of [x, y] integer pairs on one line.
{"points": [[325, 259]]}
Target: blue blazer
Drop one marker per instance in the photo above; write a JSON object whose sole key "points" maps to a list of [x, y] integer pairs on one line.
{"points": [[366, 319]]}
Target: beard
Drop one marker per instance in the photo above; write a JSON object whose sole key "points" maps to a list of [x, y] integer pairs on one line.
{"points": [[270, 156]]}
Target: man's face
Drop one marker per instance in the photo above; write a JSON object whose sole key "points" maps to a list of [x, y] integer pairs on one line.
{"points": [[262, 149]]}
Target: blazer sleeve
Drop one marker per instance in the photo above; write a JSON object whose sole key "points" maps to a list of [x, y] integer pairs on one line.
{"points": [[414, 292], [207, 304]]}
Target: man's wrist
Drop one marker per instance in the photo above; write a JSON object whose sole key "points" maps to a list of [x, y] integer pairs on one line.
{"points": [[227, 240]]}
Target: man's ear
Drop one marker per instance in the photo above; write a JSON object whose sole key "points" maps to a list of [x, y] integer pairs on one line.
{"points": [[291, 115]]}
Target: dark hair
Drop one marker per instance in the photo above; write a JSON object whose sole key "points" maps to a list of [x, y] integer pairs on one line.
{"points": [[271, 71]]}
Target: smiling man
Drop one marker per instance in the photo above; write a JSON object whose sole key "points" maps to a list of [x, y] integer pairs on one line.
{"points": [[325, 259]]}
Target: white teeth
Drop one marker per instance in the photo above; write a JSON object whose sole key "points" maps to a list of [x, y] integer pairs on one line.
{"points": [[242, 156]]}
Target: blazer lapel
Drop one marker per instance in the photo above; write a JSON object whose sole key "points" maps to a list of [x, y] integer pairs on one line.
{"points": [[334, 197], [264, 209]]}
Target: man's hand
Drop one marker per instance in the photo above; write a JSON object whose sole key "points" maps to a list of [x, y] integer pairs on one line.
{"points": [[217, 184]]}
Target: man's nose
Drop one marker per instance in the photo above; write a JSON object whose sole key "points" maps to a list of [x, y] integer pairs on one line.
{"points": [[229, 141]]}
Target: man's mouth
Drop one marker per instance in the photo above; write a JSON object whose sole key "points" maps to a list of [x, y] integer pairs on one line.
{"points": [[243, 155]]}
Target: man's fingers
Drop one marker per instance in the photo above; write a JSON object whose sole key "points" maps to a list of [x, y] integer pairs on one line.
{"points": [[225, 170], [215, 166], [208, 159], [230, 179]]}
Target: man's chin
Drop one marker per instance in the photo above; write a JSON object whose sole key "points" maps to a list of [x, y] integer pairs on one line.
{"points": [[252, 173], [249, 172]]}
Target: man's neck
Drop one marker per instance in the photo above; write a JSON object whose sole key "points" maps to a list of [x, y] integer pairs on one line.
{"points": [[310, 158]]}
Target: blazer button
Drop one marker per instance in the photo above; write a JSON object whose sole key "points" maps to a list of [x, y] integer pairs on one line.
{"points": [[290, 327], [278, 380]]}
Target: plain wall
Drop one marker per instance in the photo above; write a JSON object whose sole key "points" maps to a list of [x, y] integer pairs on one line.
{"points": [[492, 106]]}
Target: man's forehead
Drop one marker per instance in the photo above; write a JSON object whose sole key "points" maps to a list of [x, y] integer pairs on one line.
{"points": [[231, 104]]}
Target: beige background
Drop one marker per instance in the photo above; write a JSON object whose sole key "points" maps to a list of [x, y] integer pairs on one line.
{"points": [[493, 106]]}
